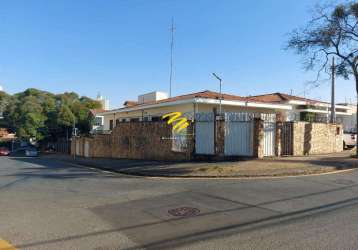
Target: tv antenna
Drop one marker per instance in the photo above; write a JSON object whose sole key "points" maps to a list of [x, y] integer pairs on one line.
{"points": [[172, 29]]}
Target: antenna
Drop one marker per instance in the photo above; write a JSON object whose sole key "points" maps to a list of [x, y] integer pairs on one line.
{"points": [[172, 29]]}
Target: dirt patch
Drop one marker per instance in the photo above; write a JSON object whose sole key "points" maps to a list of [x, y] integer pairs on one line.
{"points": [[253, 168]]}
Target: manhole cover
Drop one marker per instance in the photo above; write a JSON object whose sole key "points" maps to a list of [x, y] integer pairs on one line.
{"points": [[344, 182], [184, 211]]}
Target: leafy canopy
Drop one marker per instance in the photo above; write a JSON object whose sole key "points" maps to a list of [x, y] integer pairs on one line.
{"points": [[40, 114]]}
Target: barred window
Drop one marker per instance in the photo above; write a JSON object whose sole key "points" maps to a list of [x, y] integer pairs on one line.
{"points": [[179, 141]]}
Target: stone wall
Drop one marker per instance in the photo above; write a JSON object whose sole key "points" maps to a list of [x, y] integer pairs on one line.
{"points": [[316, 138], [154, 141], [136, 140]]}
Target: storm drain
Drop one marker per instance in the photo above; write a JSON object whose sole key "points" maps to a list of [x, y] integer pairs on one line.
{"points": [[184, 211]]}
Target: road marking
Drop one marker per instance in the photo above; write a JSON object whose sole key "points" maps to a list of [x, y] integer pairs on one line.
{"points": [[4, 245]]}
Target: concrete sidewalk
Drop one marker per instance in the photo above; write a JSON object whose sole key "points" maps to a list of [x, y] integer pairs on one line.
{"points": [[285, 166]]}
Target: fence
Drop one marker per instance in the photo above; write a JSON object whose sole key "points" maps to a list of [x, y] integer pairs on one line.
{"points": [[231, 135]]}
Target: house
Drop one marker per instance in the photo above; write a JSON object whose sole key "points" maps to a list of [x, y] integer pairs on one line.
{"points": [[219, 125], [350, 122], [98, 120], [152, 106], [304, 109]]}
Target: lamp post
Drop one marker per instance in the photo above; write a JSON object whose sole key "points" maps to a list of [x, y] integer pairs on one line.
{"points": [[220, 81]]}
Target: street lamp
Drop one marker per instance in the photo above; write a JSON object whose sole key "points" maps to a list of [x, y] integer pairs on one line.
{"points": [[220, 80]]}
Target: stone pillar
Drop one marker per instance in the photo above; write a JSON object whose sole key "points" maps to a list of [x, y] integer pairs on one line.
{"points": [[258, 142], [219, 136], [278, 142]]}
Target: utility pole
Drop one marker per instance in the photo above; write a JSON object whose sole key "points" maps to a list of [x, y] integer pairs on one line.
{"points": [[333, 106], [172, 29], [220, 81], [74, 137]]}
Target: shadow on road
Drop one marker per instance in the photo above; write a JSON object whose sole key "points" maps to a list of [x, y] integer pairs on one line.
{"points": [[219, 232], [52, 169]]}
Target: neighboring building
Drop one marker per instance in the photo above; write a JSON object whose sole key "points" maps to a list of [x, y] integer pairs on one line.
{"points": [[350, 122], [97, 125], [103, 101], [153, 106], [304, 109]]}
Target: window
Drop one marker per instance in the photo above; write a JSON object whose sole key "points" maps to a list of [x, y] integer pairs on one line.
{"points": [[110, 124], [117, 122], [98, 121], [156, 119]]}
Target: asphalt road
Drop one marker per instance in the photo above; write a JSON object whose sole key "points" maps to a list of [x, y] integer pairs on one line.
{"points": [[47, 204]]}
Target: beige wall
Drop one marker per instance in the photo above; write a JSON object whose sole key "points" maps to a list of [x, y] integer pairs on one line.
{"points": [[316, 138], [184, 108], [160, 111]]}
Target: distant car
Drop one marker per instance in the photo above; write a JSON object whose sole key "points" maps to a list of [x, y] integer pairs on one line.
{"points": [[25, 151], [4, 151], [349, 139]]}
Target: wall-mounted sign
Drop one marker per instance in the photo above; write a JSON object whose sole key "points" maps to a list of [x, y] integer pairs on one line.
{"points": [[175, 118]]}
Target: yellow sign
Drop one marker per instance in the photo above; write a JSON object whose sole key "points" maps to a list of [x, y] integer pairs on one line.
{"points": [[179, 123], [4, 245]]}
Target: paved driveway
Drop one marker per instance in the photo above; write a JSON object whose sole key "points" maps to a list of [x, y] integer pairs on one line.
{"points": [[45, 204]]}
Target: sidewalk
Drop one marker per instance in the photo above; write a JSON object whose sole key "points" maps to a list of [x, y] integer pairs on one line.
{"points": [[285, 166]]}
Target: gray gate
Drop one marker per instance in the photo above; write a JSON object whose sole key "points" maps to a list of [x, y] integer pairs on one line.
{"points": [[204, 133], [238, 134], [269, 134]]}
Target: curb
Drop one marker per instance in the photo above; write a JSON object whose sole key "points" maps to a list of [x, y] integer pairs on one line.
{"points": [[139, 175]]}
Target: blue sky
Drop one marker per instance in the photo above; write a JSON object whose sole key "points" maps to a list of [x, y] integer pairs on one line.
{"points": [[122, 47]]}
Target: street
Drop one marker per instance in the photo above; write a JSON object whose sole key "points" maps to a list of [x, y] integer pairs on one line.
{"points": [[49, 204]]}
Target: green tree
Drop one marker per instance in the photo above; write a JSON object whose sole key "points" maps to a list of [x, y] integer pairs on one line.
{"points": [[43, 115], [65, 117]]}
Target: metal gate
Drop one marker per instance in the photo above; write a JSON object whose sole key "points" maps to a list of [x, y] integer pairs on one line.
{"points": [[269, 134], [238, 134], [204, 133], [287, 138]]}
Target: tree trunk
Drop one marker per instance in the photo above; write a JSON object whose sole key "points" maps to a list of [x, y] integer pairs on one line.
{"points": [[356, 77]]}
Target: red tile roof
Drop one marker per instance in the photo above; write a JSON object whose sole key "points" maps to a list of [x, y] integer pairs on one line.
{"points": [[276, 98], [96, 111], [280, 98]]}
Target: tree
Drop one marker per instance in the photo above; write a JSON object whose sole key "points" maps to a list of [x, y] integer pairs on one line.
{"points": [[332, 32], [45, 116], [4, 101], [65, 117]]}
